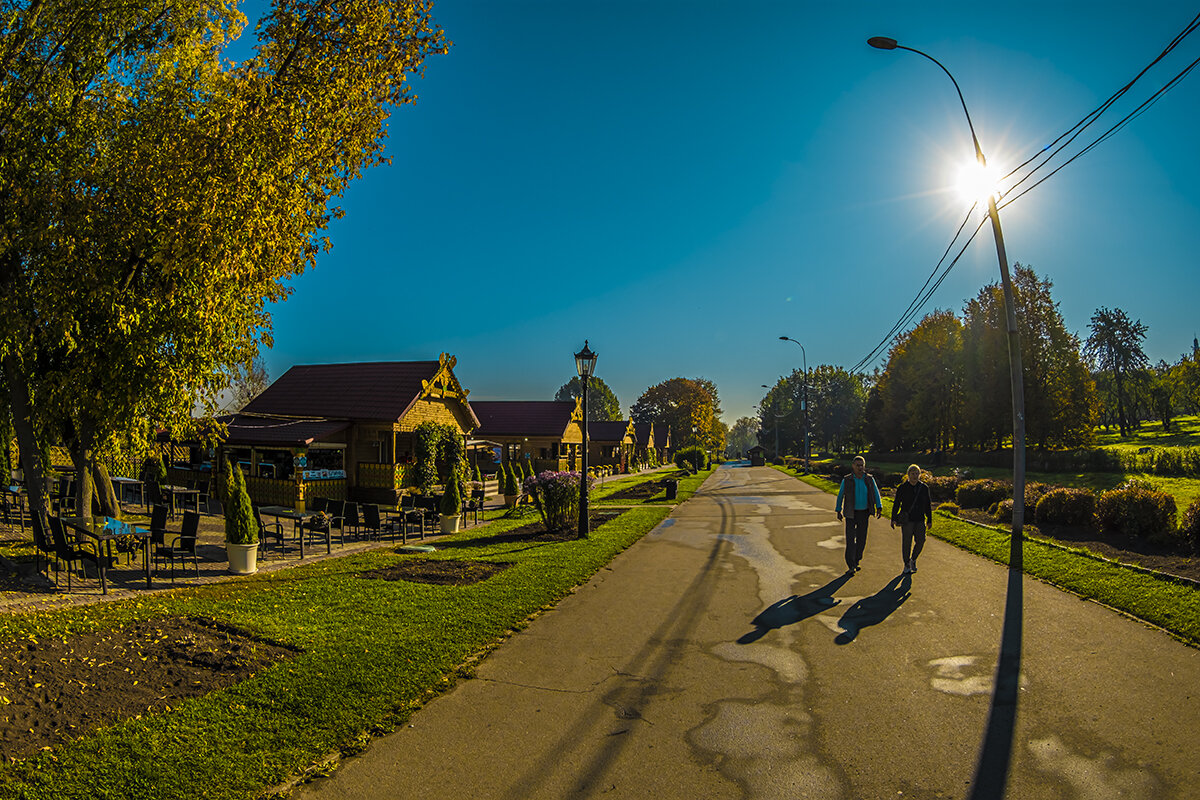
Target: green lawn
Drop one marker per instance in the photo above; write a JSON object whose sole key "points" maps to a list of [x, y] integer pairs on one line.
{"points": [[1185, 432], [370, 652], [1171, 605]]}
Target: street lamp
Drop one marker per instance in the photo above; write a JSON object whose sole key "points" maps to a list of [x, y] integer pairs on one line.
{"points": [[803, 397], [585, 363], [1014, 342]]}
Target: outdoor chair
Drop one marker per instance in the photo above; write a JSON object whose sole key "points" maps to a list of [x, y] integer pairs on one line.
{"points": [[372, 525], [473, 505], [43, 544], [274, 529], [429, 512], [64, 499], [183, 545], [72, 554], [350, 519], [205, 497], [411, 514], [327, 527]]}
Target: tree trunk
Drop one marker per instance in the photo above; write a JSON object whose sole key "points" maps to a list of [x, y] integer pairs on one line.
{"points": [[31, 454], [110, 506]]}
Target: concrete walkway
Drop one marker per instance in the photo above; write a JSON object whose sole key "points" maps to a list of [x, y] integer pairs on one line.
{"points": [[728, 655]]}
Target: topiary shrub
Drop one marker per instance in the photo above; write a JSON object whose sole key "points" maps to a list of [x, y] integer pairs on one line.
{"points": [[690, 458], [1137, 509], [1064, 506], [512, 484], [949, 508], [1190, 527], [983, 493], [451, 505], [941, 489], [240, 525], [1003, 511]]}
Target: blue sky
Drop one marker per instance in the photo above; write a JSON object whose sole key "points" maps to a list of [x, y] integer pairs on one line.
{"points": [[683, 182]]}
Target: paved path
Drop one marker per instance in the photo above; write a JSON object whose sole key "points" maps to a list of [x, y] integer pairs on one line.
{"points": [[727, 655]]}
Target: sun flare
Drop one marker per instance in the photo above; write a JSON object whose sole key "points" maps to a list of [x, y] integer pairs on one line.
{"points": [[976, 182]]}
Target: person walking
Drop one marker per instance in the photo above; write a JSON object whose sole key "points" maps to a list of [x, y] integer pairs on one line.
{"points": [[914, 511], [860, 496]]}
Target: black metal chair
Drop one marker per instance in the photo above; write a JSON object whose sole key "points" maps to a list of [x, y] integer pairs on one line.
{"points": [[74, 554], [43, 544], [183, 545], [473, 505], [328, 525], [273, 528], [372, 525], [351, 523]]}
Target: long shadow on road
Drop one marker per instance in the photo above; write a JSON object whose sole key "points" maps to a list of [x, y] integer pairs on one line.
{"points": [[874, 609], [791, 610]]}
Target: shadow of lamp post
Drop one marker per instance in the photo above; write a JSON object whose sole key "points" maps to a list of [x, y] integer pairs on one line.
{"points": [[585, 363]]}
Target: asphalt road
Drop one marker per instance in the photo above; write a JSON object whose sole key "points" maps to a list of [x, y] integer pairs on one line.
{"points": [[728, 655]]}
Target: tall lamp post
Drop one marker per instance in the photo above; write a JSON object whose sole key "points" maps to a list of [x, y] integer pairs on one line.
{"points": [[803, 397], [585, 363], [1014, 342]]}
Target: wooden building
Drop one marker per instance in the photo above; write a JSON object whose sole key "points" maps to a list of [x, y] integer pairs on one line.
{"points": [[643, 441], [610, 444], [343, 431], [547, 433], [662, 443]]}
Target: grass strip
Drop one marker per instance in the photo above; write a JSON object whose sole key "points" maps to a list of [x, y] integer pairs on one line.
{"points": [[372, 651], [1171, 605]]}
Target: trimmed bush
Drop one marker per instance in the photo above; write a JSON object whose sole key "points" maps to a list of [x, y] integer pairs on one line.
{"points": [[983, 493], [1136, 509], [1064, 506], [1190, 529], [1003, 511], [941, 489], [512, 484], [949, 508], [690, 458]]}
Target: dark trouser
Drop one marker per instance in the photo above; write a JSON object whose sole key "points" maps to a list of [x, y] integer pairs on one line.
{"points": [[856, 536], [910, 531]]}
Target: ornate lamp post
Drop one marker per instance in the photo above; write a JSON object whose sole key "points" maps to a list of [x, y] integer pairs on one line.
{"points": [[585, 364], [803, 397]]}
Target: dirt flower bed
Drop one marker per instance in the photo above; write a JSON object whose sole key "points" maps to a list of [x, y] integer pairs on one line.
{"points": [[440, 572], [1118, 547], [56, 690], [641, 491]]}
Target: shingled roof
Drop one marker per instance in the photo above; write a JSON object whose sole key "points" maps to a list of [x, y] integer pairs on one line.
{"points": [[381, 391], [523, 417], [608, 431], [641, 433]]}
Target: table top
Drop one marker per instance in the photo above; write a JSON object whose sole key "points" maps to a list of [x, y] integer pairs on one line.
{"points": [[119, 479], [284, 511], [178, 489], [103, 528]]}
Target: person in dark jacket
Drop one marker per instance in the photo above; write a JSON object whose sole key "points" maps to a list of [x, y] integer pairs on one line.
{"points": [[914, 511], [860, 496]]}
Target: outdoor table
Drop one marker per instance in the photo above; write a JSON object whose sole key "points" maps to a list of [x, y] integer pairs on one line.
{"points": [[298, 519], [181, 491], [106, 530], [131, 483]]}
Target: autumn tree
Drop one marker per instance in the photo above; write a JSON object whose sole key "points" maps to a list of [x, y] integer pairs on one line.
{"points": [[1060, 395], [603, 405], [689, 407], [743, 435], [1115, 347], [158, 198], [919, 389]]}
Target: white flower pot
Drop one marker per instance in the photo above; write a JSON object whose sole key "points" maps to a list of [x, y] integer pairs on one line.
{"points": [[243, 558], [450, 524]]}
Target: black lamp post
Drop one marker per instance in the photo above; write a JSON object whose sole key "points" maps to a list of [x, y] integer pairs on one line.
{"points": [[585, 363], [803, 397], [1014, 342]]}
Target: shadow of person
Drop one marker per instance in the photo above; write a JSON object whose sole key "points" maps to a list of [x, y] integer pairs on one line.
{"points": [[792, 609], [874, 609]]}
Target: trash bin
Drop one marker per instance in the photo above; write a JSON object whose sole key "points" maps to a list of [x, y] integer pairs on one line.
{"points": [[672, 489]]}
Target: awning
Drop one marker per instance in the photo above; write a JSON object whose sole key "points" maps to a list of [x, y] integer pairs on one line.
{"points": [[247, 431]]}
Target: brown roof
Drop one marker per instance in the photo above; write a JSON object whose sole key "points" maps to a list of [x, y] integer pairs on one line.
{"points": [[641, 433], [662, 436], [380, 391], [608, 431], [245, 430], [523, 417]]}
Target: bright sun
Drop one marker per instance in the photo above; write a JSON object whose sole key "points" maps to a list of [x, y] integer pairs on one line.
{"points": [[976, 182]]}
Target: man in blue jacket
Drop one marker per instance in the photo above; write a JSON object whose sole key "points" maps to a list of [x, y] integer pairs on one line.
{"points": [[861, 496]]}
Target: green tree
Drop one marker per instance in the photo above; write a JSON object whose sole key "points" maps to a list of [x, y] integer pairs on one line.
{"points": [[689, 407], [1115, 347], [743, 435], [603, 405], [919, 390], [1060, 395], [159, 198], [837, 401]]}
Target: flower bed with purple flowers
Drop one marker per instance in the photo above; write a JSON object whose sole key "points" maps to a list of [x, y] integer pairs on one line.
{"points": [[556, 496]]}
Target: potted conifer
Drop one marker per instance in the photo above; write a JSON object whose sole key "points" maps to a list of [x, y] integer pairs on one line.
{"points": [[451, 506], [508, 484], [241, 528]]}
